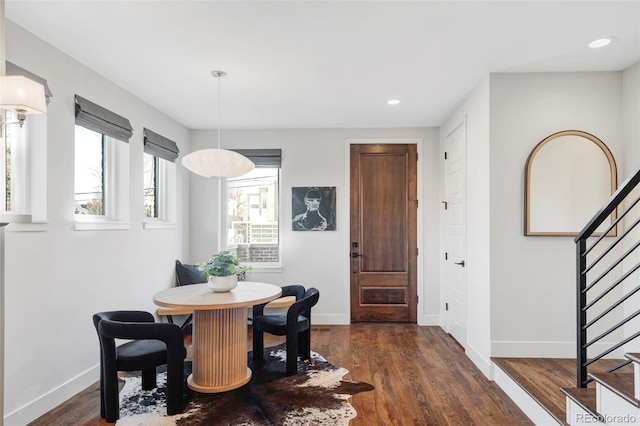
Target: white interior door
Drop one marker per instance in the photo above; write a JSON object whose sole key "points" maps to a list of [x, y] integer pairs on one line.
{"points": [[456, 235]]}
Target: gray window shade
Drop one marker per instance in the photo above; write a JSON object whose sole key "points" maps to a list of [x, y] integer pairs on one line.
{"points": [[101, 120], [160, 146], [13, 69], [262, 157]]}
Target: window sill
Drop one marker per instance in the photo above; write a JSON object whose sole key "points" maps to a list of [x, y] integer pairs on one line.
{"points": [[15, 218], [22, 223], [39, 226], [256, 267], [159, 225], [102, 226]]}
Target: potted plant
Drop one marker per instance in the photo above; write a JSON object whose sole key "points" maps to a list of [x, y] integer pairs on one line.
{"points": [[221, 271]]}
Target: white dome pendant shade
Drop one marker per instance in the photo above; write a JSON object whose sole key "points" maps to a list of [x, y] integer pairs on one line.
{"points": [[216, 162]]}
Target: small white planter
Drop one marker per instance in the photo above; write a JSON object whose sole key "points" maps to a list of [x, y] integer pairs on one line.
{"points": [[222, 284]]}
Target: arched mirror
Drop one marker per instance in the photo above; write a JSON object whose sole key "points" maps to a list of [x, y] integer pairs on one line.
{"points": [[570, 175]]}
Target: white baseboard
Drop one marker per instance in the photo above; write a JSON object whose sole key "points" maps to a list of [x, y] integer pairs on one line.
{"points": [[528, 405], [428, 320], [45, 403], [524, 349], [485, 365], [338, 319], [329, 319]]}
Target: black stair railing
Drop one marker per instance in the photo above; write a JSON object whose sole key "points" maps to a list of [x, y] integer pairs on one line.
{"points": [[607, 283]]}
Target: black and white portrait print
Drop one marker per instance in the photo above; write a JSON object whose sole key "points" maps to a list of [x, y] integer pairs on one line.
{"points": [[313, 208]]}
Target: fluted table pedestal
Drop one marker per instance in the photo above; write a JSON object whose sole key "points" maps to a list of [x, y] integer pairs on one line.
{"points": [[219, 331]]}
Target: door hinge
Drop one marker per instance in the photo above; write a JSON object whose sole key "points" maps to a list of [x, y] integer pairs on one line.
{"points": [[417, 299], [445, 204], [417, 201], [446, 255], [445, 155], [416, 251], [416, 156], [446, 306]]}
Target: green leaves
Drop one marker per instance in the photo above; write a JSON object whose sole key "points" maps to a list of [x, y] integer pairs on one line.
{"points": [[221, 265]]}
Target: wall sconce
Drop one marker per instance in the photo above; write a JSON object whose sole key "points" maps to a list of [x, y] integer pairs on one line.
{"points": [[22, 95]]}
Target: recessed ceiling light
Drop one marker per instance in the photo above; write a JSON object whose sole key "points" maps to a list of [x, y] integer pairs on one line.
{"points": [[393, 101], [601, 42]]}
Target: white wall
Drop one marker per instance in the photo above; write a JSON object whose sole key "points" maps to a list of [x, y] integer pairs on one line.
{"points": [[631, 163], [58, 278], [533, 278], [631, 119], [320, 259]]}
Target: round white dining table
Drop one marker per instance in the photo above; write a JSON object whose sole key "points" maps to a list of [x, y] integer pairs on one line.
{"points": [[219, 330]]}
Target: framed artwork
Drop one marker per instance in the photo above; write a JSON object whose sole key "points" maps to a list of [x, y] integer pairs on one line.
{"points": [[313, 208]]}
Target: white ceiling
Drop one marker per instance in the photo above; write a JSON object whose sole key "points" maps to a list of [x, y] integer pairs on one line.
{"points": [[320, 64]]}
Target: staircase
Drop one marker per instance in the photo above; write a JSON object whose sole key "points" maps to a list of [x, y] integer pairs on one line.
{"points": [[615, 400], [608, 313]]}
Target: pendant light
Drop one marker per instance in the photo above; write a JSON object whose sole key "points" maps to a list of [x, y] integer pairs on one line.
{"points": [[216, 162]]}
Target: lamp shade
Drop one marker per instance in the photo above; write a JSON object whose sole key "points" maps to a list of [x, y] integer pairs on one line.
{"points": [[18, 93], [217, 163]]}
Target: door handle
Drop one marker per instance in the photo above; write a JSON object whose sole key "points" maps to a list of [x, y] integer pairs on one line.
{"points": [[354, 254], [461, 263]]}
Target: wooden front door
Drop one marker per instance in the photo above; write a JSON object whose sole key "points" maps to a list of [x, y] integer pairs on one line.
{"points": [[383, 244]]}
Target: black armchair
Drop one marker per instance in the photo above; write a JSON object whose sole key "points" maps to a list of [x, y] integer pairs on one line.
{"points": [[295, 324], [152, 344]]}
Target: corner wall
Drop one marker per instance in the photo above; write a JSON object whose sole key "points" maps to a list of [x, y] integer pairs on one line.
{"points": [[474, 112]]}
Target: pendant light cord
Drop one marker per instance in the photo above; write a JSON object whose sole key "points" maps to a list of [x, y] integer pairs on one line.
{"points": [[219, 108], [219, 75]]}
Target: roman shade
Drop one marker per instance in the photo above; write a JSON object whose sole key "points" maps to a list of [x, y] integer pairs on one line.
{"points": [[13, 69], [158, 145], [101, 120], [262, 158]]}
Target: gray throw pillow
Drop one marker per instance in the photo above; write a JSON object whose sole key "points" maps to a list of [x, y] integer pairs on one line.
{"points": [[188, 274]]}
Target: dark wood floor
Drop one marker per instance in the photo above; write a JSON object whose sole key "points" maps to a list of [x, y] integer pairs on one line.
{"points": [[421, 377]]}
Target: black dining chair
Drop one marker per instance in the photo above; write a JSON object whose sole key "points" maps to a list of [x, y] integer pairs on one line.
{"points": [[295, 324], [151, 344]]}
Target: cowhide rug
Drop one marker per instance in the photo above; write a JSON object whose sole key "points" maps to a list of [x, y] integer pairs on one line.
{"points": [[317, 395]]}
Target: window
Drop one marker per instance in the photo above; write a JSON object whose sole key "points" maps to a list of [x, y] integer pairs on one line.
{"points": [[252, 223], [150, 185], [23, 182], [89, 172], [253, 210], [101, 167], [159, 178], [11, 160], [159, 191]]}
